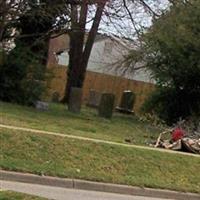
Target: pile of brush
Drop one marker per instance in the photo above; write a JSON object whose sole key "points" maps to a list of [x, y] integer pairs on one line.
{"points": [[184, 136]]}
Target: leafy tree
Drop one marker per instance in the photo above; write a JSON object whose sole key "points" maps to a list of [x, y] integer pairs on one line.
{"points": [[21, 77], [22, 72], [172, 53], [28, 25]]}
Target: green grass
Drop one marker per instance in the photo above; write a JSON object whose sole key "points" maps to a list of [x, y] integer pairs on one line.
{"points": [[87, 123], [63, 157], [8, 195]]}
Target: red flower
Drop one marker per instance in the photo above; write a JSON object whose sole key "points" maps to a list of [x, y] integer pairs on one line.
{"points": [[177, 134]]}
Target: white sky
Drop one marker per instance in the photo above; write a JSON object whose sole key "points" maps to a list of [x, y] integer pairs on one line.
{"points": [[124, 27]]}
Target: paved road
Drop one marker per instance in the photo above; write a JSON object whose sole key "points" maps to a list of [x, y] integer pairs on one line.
{"points": [[56, 193]]}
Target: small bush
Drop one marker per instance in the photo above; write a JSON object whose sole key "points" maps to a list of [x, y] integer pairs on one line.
{"points": [[171, 104]]}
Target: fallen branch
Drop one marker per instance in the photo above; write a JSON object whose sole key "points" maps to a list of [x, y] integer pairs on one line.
{"points": [[160, 136]]}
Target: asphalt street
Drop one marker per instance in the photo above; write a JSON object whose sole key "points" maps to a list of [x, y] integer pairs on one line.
{"points": [[56, 193]]}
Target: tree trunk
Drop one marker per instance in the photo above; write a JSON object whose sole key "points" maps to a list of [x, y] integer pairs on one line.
{"points": [[2, 22], [75, 99], [78, 55]]}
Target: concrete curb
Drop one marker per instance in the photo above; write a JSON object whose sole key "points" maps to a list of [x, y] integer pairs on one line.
{"points": [[95, 186]]}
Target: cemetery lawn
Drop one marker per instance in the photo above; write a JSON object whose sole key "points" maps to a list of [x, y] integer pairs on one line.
{"points": [[56, 156], [86, 124], [8, 195]]}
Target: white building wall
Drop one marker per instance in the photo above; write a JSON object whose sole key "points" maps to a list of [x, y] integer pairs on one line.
{"points": [[105, 58]]}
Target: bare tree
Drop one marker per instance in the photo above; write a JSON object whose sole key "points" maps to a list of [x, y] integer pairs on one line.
{"points": [[110, 12], [79, 49]]}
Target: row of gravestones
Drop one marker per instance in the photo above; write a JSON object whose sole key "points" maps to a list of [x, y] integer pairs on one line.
{"points": [[105, 102]]}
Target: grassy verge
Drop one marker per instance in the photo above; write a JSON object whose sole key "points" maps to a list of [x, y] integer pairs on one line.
{"points": [[8, 195], [87, 123], [56, 156]]}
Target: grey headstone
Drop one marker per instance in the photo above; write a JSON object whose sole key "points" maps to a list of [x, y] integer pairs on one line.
{"points": [[43, 106], [127, 102], [106, 105], [94, 98]]}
